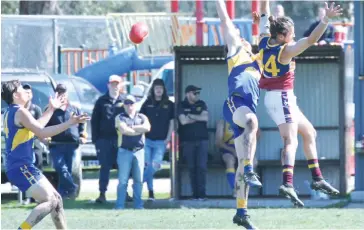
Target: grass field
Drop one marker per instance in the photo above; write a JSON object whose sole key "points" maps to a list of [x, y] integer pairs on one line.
{"points": [[82, 214]]}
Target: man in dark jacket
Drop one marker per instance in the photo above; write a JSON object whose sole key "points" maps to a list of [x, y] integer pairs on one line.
{"points": [[104, 134], [63, 151], [328, 36]]}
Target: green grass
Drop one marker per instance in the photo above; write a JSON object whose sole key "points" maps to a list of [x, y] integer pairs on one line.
{"points": [[194, 218], [83, 214]]}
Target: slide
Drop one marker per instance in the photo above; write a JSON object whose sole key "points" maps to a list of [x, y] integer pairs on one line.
{"points": [[123, 62]]}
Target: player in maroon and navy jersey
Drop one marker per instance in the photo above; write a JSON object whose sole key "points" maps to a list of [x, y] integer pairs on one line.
{"points": [[277, 50]]}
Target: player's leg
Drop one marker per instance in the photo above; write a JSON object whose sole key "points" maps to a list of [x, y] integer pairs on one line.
{"points": [[30, 179], [282, 108], [57, 214], [229, 160], [245, 118], [240, 218], [308, 133]]}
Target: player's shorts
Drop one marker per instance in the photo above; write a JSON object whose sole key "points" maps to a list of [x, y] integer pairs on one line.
{"points": [[24, 176], [282, 106], [231, 104]]}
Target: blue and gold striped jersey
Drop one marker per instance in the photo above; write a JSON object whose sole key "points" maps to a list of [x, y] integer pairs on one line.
{"points": [[228, 136], [19, 141], [238, 64]]}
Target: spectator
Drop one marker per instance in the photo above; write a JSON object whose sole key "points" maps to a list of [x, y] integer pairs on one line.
{"points": [[160, 112], [131, 127], [193, 134], [279, 11], [104, 135], [34, 109], [328, 36], [225, 142], [68, 141]]}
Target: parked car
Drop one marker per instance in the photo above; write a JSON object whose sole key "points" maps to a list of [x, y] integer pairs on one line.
{"points": [[81, 94]]}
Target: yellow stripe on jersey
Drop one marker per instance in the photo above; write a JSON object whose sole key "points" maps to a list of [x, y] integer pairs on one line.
{"points": [[117, 127], [21, 136], [240, 58]]}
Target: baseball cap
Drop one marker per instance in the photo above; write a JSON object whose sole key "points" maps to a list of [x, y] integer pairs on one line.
{"points": [[61, 88], [129, 99], [192, 88], [114, 78], [27, 86]]}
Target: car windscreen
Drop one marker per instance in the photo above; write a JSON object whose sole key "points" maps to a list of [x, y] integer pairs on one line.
{"points": [[41, 92]]}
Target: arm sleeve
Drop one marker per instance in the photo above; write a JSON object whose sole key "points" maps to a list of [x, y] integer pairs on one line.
{"points": [[171, 111], [38, 112], [81, 126], [95, 121], [180, 110]]}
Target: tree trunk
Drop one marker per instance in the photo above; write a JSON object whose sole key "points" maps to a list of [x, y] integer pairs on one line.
{"points": [[35, 48]]}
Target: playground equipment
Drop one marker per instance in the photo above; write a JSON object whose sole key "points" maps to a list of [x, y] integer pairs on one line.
{"points": [[123, 62]]}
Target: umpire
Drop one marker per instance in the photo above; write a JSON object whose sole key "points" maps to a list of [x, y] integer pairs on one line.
{"points": [[193, 135], [104, 135]]}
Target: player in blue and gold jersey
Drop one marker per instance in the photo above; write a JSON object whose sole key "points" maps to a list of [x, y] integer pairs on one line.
{"points": [[224, 140], [240, 110], [278, 49], [20, 128]]}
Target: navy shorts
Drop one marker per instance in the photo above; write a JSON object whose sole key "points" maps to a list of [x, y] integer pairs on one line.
{"points": [[24, 176], [231, 105]]}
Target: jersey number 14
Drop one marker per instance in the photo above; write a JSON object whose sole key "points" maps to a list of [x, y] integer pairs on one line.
{"points": [[271, 66]]}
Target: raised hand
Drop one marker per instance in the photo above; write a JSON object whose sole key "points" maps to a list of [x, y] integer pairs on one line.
{"points": [[57, 101], [75, 119], [333, 11], [256, 18]]}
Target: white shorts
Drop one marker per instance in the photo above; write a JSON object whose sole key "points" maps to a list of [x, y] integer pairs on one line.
{"points": [[281, 106]]}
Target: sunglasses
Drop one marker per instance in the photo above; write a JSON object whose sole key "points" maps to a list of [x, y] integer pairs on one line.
{"points": [[196, 93]]}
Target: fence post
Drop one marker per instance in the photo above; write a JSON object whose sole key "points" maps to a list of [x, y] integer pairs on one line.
{"points": [[55, 42], [59, 59]]}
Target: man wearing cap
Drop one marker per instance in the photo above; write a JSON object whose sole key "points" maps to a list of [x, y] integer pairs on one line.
{"points": [[193, 135], [130, 127], [104, 135], [160, 112], [63, 151], [34, 109]]}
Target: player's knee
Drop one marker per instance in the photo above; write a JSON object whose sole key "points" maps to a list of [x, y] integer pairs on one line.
{"points": [[309, 134], [289, 141], [251, 123]]}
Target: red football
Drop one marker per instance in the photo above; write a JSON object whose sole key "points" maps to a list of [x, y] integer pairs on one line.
{"points": [[138, 32]]}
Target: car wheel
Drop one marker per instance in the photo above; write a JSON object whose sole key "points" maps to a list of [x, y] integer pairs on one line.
{"points": [[77, 171]]}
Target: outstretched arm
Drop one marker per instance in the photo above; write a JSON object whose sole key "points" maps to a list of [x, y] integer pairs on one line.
{"points": [[231, 37], [262, 19], [301, 45], [25, 119]]}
